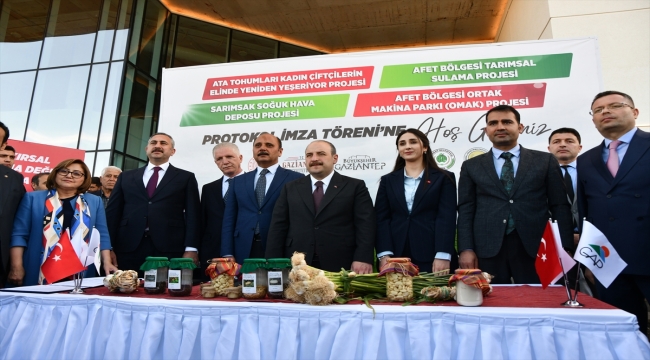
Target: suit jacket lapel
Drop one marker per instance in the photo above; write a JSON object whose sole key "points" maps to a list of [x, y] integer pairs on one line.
{"points": [[249, 185], [278, 179], [422, 189], [396, 182], [335, 186], [305, 193], [599, 164], [487, 161], [167, 178], [522, 169], [139, 175], [636, 148], [4, 188]]}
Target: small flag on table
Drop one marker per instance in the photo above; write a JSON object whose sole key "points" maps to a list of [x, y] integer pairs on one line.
{"points": [[598, 254], [547, 263], [62, 260]]}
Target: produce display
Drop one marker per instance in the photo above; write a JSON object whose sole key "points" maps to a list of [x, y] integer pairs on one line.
{"points": [[124, 281]]}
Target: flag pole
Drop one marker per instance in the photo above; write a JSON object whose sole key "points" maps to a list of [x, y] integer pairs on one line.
{"points": [[570, 302], [575, 296]]}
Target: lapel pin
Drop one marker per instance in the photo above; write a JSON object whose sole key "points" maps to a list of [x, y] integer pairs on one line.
{"points": [[428, 181], [6, 176], [336, 187]]}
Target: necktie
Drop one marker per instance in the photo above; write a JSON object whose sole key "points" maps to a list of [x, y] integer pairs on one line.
{"points": [[612, 160], [318, 195], [153, 181], [225, 197], [260, 191], [508, 179], [568, 183]]}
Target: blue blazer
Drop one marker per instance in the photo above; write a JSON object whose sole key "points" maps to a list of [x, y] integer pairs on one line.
{"points": [[242, 212], [619, 206], [431, 225], [28, 230]]}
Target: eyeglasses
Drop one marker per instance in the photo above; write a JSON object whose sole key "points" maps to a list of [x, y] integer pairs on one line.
{"points": [[75, 174], [612, 106]]}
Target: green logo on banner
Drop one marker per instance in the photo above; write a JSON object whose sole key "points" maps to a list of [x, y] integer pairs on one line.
{"points": [[258, 110], [477, 71]]}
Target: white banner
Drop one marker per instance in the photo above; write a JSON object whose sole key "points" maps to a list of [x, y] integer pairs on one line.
{"points": [[360, 101]]}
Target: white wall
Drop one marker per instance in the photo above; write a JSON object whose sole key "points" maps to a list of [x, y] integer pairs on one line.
{"points": [[622, 28]]}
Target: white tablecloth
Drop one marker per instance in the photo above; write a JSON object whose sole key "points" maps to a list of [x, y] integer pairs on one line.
{"points": [[59, 326]]}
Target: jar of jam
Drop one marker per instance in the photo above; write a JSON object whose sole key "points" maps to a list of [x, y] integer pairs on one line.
{"points": [[278, 277], [254, 279], [180, 276], [155, 274]]}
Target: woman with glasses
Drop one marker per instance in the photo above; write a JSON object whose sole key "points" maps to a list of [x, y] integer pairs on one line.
{"points": [[43, 217], [416, 208]]}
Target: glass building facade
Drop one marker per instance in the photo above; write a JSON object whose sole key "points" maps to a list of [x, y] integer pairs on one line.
{"points": [[87, 74]]}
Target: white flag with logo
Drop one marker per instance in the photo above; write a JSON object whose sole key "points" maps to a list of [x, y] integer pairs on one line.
{"points": [[93, 250], [597, 254], [80, 247], [567, 262]]}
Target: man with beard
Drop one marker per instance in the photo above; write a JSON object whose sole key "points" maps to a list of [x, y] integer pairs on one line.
{"points": [[107, 181], [251, 200], [327, 216], [154, 210], [504, 200]]}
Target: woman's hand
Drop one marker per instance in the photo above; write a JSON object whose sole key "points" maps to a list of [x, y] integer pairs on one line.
{"points": [[16, 275], [107, 263]]}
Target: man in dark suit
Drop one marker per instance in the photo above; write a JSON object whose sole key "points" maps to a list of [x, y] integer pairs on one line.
{"points": [[11, 192], [565, 145], [614, 195], [213, 199], [251, 200], [326, 215], [505, 198], [154, 210]]}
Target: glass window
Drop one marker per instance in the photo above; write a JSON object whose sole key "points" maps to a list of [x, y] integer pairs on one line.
{"points": [[22, 29], [90, 161], [169, 40], [288, 50], [58, 102], [93, 110], [110, 106], [123, 121], [107, 22], [101, 161], [247, 47], [199, 43], [153, 31], [118, 160], [141, 109], [131, 163], [15, 96], [70, 17], [67, 50], [23, 20], [122, 33]]}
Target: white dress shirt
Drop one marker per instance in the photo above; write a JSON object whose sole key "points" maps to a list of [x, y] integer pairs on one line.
{"points": [[326, 181], [499, 161]]}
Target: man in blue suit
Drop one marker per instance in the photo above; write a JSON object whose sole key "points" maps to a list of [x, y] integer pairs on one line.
{"points": [[614, 195], [250, 204]]}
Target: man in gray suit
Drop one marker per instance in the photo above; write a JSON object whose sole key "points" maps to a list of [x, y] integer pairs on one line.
{"points": [[505, 198]]}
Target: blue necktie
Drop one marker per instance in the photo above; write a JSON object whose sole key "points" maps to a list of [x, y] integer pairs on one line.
{"points": [[225, 197], [260, 191]]}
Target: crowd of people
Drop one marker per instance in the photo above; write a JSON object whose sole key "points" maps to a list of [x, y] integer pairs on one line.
{"points": [[492, 220]]}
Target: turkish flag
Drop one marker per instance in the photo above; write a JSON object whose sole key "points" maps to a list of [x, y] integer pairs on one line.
{"points": [[547, 263], [62, 261]]}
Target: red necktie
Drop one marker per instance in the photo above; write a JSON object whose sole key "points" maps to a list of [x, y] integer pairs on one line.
{"points": [[612, 160], [153, 182]]}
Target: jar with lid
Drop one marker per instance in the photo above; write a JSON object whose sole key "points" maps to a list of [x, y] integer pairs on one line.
{"points": [[278, 277], [222, 272], [155, 274], [180, 276], [254, 279]]}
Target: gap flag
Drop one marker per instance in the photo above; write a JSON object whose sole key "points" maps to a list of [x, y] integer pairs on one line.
{"points": [[597, 254], [93, 250], [62, 260]]}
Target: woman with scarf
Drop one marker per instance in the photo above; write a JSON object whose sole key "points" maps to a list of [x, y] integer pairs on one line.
{"points": [[43, 218], [416, 208]]}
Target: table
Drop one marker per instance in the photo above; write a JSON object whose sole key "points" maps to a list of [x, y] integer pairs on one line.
{"points": [[63, 326]]}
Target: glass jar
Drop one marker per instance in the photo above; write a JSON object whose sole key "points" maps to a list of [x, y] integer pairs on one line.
{"points": [[278, 277], [155, 274], [180, 276], [254, 279]]}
